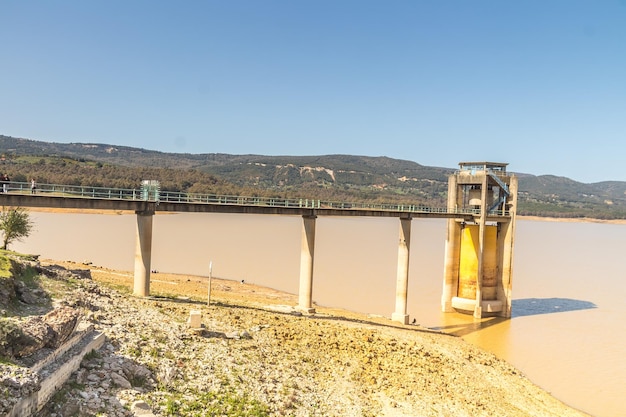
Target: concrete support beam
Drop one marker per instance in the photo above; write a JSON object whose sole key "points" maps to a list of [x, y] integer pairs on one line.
{"points": [[506, 240], [453, 247], [402, 280], [143, 254], [478, 309], [451, 266], [305, 295]]}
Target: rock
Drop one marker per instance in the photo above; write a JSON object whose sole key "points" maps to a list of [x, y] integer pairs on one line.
{"points": [[36, 334], [120, 381], [81, 273], [93, 378], [138, 374], [26, 294], [7, 291], [70, 409], [167, 375], [140, 408], [16, 383], [63, 322]]}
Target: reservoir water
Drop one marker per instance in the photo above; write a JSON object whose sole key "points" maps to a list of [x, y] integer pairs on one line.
{"points": [[567, 333]]}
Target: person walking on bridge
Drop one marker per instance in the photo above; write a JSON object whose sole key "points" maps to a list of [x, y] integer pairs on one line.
{"points": [[33, 186]]}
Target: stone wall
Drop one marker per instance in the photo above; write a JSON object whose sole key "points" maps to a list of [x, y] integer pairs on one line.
{"points": [[56, 373]]}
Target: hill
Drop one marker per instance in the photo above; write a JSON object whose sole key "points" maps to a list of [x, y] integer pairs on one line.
{"points": [[328, 177]]}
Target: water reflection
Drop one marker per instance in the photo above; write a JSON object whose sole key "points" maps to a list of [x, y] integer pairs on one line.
{"points": [[534, 306]]}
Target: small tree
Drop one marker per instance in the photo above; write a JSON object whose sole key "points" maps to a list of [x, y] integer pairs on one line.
{"points": [[15, 224]]}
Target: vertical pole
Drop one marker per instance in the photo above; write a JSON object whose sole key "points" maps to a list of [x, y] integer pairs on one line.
{"points": [[208, 301], [305, 295], [143, 254], [402, 280]]}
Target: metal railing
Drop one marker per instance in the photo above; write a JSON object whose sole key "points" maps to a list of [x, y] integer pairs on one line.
{"points": [[139, 194], [80, 191]]}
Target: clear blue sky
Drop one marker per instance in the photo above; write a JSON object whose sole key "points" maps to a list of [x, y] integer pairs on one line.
{"points": [[540, 84]]}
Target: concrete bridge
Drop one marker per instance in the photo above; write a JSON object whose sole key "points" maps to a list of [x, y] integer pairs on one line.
{"points": [[148, 200]]}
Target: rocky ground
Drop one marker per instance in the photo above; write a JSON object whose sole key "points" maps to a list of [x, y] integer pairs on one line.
{"points": [[257, 356]]}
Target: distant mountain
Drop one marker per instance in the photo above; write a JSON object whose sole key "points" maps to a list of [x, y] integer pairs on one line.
{"points": [[339, 177]]}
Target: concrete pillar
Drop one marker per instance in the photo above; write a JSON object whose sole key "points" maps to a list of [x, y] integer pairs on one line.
{"points": [[452, 253], [305, 295], [402, 280], [452, 194], [505, 246], [478, 309], [143, 254], [451, 266], [504, 268]]}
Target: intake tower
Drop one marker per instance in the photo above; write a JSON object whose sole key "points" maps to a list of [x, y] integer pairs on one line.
{"points": [[479, 252]]}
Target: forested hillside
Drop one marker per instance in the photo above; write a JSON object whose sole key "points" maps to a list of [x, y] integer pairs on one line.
{"points": [[327, 177]]}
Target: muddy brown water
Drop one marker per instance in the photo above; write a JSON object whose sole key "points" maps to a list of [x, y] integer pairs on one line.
{"points": [[569, 289]]}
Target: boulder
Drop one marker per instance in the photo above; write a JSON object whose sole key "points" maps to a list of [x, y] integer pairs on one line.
{"points": [[63, 321], [35, 335], [48, 331]]}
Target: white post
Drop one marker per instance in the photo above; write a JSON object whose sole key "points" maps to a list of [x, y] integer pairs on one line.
{"points": [[208, 301]]}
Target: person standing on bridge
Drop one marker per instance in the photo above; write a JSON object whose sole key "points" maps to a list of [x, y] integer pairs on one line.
{"points": [[33, 186], [5, 183]]}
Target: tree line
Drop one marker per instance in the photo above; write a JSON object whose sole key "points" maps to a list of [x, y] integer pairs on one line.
{"points": [[538, 196], [81, 172]]}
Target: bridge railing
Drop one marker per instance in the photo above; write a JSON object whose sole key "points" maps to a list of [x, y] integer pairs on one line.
{"points": [[81, 191], [178, 197]]}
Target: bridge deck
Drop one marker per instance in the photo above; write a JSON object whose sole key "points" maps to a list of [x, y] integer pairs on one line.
{"points": [[100, 198]]}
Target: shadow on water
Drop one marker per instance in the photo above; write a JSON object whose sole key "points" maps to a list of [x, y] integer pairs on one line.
{"points": [[535, 306], [520, 308], [463, 329]]}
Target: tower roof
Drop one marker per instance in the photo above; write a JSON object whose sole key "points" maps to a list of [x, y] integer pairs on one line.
{"points": [[495, 166]]}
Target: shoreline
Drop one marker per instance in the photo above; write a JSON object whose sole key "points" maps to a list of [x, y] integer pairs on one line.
{"points": [[194, 287], [571, 220]]}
